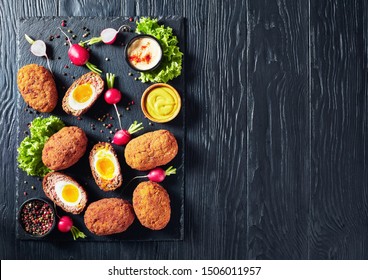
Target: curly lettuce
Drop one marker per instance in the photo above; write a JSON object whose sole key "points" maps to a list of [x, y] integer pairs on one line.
{"points": [[30, 149], [171, 64]]}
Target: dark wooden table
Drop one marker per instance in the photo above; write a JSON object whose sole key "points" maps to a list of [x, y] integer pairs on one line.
{"points": [[276, 144]]}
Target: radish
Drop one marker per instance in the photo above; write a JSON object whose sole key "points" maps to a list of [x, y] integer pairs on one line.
{"points": [[38, 48], [65, 224], [107, 36], [157, 174], [79, 55], [122, 137], [112, 95]]}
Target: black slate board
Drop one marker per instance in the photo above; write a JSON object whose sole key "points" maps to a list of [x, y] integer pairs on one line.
{"points": [[42, 28]]}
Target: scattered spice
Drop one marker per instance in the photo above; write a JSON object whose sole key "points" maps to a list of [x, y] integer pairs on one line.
{"points": [[37, 217]]}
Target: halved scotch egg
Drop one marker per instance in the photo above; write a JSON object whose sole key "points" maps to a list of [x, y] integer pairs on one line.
{"points": [[82, 94], [105, 167], [65, 192]]}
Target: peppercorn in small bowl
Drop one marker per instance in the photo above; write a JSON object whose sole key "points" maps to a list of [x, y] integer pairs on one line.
{"points": [[37, 217]]}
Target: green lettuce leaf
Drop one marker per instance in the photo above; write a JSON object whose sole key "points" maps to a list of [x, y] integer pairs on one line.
{"points": [[171, 64], [30, 149]]}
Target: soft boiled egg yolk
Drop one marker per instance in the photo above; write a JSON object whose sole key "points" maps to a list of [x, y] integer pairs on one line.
{"points": [[68, 193], [105, 164], [82, 96], [82, 93]]}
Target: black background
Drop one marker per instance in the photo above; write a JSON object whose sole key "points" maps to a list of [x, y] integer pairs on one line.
{"points": [[276, 154]]}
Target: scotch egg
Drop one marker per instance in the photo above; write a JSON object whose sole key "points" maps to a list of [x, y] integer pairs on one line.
{"points": [[82, 94], [105, 167], [65, 192]]}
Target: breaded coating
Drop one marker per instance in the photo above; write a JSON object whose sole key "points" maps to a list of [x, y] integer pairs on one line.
{"points": [[151, 149], [151, 204], [37, 87], [64, 148], [109, 216]]}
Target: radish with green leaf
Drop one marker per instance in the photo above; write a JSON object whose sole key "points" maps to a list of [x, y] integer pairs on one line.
{"points": [[79, 55], [65, 224], [122, 136], [107, 36], [38, 48], [113, 96], [156, 175]]}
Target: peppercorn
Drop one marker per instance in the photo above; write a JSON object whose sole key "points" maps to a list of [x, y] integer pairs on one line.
{"points": [[37, 217]]}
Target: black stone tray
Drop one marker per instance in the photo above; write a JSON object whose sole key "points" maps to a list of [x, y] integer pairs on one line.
{"points": [[109, 58]]}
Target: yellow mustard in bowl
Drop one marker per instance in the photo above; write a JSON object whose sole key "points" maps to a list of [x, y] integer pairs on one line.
{"points": [[161, 103]]}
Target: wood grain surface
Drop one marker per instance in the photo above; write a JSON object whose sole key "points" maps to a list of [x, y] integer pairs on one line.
{"points": [[276, 153]]}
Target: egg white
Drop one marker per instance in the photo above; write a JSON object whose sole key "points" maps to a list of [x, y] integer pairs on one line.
{"points": [[59, 188], [75, 105], [103, 153]]}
